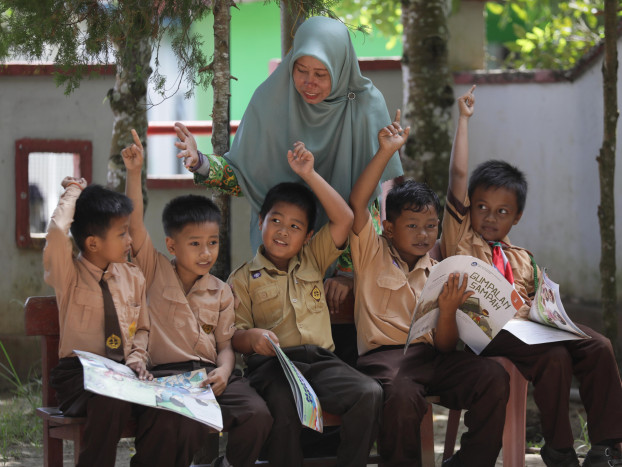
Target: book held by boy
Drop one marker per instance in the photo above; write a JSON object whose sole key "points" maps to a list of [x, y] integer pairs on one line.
{"points": [[179, 393], [307, 403], [492, 307]]}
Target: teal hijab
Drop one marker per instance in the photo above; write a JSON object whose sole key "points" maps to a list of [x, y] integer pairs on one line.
{"points": [[341, 131]]}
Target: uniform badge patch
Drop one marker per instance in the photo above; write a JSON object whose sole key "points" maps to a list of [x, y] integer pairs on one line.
{"points": [[113, 341], [208, 328], [316, 294], [132, 329]]}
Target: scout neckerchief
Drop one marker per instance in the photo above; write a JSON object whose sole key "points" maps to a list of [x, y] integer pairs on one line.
{"points": [[114, 341], [500, 261]]}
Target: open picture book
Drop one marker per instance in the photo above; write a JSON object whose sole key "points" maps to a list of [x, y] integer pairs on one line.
{"points": [[179, 393], [492, 307], [307, 403]]}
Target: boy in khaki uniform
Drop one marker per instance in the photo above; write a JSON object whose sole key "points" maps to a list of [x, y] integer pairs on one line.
{"points": [[477, 221], [281, 295], [102, 309], [390, 272], [192, 316]]}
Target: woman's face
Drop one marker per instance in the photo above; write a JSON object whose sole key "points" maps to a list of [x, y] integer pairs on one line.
{"points": [[311, 79]]}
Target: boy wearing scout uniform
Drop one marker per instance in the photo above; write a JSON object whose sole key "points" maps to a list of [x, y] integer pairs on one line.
{"points": [[390, 272], [192, 315], [281, 295], [478, 218], [102, 310]]}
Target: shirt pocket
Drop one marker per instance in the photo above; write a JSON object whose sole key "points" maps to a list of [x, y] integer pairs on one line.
{"points": [[267, 307], [82, 318], [388, 284], [208, 320], [314, 296], [178, 313]]}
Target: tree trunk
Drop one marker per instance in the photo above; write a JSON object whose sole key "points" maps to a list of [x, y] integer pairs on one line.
{"points": [[428, 92], [606, 168], [128, 103], [292, 16], [220, 117]]}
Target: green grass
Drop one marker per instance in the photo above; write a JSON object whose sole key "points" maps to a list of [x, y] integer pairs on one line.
{"points": [[20, 428]]}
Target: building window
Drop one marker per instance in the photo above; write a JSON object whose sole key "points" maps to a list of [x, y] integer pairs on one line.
{"points": [[40, 166]]}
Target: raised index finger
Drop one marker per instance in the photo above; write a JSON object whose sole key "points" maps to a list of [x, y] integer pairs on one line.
{"points": [[398, 115], [136, 139], [472, 89]]}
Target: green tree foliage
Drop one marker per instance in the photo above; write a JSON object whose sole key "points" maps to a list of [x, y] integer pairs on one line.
{"points": [[76, 33], [549, 34]]}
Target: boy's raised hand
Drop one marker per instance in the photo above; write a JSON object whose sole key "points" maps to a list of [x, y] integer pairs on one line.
{"points": [[453, 295], [466, 103], [393, 136], [187, 146], [300, 159], [133, 155], [81, 182]]}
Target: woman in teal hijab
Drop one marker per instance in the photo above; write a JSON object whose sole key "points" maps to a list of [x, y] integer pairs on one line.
{"points": [[317, 95]]}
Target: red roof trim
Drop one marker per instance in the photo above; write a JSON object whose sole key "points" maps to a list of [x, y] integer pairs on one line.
{"points": [[47, 69]]}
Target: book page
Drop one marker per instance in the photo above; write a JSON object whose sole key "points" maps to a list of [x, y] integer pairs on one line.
{"points": [[307, 403], [179, 393]]}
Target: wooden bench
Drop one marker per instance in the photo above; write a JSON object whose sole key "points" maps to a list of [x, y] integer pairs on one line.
{"points": [[41, 319]]}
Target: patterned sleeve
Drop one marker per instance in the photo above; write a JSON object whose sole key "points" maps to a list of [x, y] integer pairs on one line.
{"points": [[221, 176]]}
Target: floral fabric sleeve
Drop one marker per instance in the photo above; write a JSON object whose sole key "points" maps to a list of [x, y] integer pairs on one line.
{"points": [[221, 176]]}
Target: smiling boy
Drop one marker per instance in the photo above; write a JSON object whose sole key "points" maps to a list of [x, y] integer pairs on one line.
{"points": [[192, 319], [390, 272], [281, 295], [477, 221]]}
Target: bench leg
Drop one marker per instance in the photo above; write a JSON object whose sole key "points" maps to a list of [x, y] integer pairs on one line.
{"points": [[52, 448]]}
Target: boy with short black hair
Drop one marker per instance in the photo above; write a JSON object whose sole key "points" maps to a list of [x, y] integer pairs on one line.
{"points": [[390, 272], [102, 309], [192, 317], [477, 221], [281, 295]]}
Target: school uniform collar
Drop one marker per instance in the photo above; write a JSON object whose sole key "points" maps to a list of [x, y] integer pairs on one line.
{"points": [[97, 272], [206, 282], [425, 262], [261, 262]]}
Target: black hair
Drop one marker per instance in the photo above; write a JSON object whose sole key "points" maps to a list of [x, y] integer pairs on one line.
{"points": [[188, 209], [500, 174], [410, 195], [95, 209], [293, 193]]}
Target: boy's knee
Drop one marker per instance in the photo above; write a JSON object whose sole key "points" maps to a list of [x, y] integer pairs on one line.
{"points": [[495, 381]]}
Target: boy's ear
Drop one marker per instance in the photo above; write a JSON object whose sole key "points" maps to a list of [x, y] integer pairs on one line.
{"points": [[517, 218], [170, 245], [91, 243], [260, 222], [309, 235], [387, 228]]}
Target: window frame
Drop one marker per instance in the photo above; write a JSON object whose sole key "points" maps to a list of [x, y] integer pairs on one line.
{"points": [[83, 155]]}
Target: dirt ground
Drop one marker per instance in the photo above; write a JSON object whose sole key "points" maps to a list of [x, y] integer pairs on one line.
{"points": [[32, 457]]}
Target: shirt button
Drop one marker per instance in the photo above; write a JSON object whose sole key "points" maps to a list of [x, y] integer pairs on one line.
{"points": [[294, 300]]}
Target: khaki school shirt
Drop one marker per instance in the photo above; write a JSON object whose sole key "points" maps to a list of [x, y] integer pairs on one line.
{"points": [[386, 292], [289, 303], [459, 238], [79, 295], [183, 327]]}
